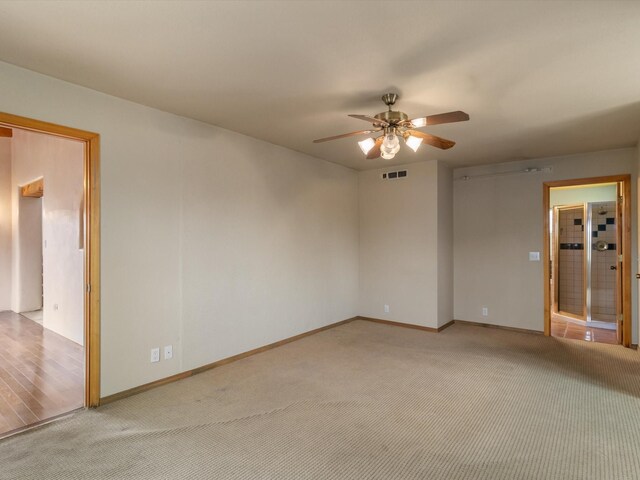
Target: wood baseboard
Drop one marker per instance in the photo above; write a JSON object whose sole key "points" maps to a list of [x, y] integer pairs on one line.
{"points": [[224, 361], [408, 325], [219, 363], [500, 327]]}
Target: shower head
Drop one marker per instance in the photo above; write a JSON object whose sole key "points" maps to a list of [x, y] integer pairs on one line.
{"points": [[602, 211]]}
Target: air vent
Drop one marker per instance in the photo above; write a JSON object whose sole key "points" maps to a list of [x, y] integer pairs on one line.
{"points": [[394, 175]]}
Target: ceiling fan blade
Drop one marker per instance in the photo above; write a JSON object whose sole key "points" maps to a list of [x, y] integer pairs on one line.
{"points": [[366, 118], [336, 137], [432, 140], [448, 117], [375, 150]]}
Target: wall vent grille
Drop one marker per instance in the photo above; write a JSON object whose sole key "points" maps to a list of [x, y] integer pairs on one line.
{"points": [[394, 175]]}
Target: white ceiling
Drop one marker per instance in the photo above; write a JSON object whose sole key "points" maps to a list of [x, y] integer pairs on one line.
{"points": [[538, 78]]}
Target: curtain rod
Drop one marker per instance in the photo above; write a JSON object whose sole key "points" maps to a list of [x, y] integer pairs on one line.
{"points": [[502, 174]]}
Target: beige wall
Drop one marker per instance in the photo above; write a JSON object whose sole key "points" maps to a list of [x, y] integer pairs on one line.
{"points": [[402, 232], [217, 243], [212, 241], [53, 245], [498, 220], [444, 210], [5, 224]]}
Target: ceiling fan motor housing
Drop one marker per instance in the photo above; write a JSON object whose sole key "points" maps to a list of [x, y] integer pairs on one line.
{"points": [[392, 118]]}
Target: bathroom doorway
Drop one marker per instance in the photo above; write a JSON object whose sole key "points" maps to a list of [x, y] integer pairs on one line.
{"points": [[587, 240]]}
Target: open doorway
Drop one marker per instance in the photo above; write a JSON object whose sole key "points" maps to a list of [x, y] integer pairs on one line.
{"points": [[587, 259], [49, 272], [28, 280]]}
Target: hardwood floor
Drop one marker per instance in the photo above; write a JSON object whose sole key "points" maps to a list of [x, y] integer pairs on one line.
{"points": [[41, 373], [576, 331]]}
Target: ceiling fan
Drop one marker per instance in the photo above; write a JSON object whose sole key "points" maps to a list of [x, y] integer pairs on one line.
{"points": [[396, 124]]}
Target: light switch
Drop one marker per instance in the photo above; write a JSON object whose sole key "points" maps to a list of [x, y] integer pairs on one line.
{"points": [[534, 256]]}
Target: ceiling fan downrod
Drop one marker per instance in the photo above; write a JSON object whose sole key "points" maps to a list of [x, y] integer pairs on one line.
{"points": [[389, 99]]}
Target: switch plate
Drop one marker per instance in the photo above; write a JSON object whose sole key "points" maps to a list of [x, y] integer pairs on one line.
{"points": [[168, 352], [386, 309], [485, 312], [155, 355], [534, 256]]}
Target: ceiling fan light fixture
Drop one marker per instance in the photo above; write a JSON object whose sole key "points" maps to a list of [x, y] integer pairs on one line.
{"points": [[390, 141], [413, 142], [393, 124], [366, 145], [392, 150]]}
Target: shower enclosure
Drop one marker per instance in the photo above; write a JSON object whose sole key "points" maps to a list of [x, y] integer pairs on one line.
{"points": [[585, 262]]}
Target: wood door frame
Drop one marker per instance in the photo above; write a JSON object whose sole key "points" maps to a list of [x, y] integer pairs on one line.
{"points": [[92, 241], [625, 180]]}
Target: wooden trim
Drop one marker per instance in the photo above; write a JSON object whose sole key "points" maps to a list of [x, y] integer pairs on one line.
{"points": [[92, 270], [576, 182], [219, 363], [40, 423], [408, 325], [34, 189], [499, 327], [627, 221], [546, 259], [92, 240], [6, 132], [15, 121], [626, 261], [446, 325]]}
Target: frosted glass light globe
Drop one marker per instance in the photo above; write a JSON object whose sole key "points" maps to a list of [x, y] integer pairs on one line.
{"points": [[390, 141], [366, 145], [413, 142]]}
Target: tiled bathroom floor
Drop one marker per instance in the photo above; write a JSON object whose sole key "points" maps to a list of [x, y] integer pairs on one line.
{"points": [[575, 331]]}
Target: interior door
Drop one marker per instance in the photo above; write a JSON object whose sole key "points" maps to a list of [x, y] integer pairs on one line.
{"points": [[619, 271], [553, 259]]}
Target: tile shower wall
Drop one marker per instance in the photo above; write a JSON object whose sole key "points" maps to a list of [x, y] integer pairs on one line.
{"points": [[603, 279], [571, 260]]}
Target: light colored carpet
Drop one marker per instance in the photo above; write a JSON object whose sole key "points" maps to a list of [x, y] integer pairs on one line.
{"points": [[366, 401]]}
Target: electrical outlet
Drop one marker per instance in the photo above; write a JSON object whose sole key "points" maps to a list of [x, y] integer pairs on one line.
{"points": [[386, 309], [155, 355], [485, 312], [168, 352]]}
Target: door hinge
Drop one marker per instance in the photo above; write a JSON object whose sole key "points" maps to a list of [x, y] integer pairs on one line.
{"points": [[88, 288], [620, 258], [620, 317]]}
